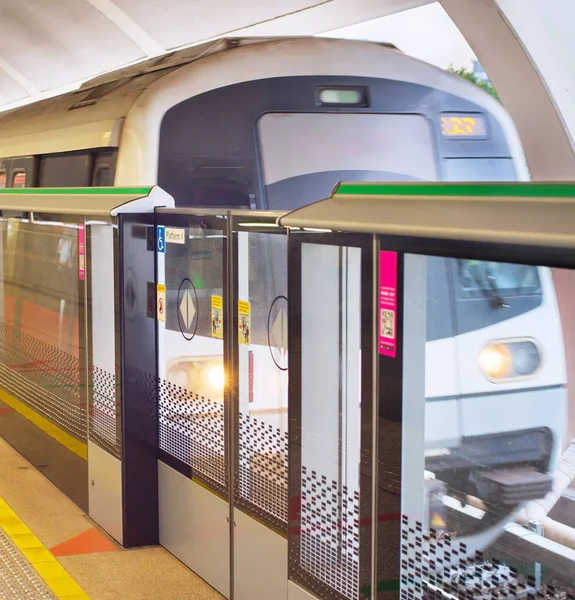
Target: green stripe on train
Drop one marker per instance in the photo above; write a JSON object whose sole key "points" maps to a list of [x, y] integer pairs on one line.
{"points": [[91, 191], [512, 189]]}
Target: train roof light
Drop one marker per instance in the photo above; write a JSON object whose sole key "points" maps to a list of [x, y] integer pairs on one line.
{"points": [[343, 96]]}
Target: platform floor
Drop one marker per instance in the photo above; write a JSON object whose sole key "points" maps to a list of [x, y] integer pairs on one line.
{"points": [[50, 549]]}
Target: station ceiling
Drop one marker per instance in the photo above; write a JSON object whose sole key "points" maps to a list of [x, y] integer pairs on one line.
{"points": [[49, 45]]}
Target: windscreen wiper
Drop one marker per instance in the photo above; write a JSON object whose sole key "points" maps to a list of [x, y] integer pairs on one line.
{"points": [[482, 274], [496, 294]]}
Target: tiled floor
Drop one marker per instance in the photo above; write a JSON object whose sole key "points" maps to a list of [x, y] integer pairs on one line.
{"points": [[49, 548]]}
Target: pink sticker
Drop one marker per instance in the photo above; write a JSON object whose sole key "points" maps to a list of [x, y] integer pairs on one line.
{"points": [[387, 302], [81, 253]]}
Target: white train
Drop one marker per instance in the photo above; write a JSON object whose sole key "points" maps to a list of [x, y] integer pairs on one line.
{"points": [[276, 123]]}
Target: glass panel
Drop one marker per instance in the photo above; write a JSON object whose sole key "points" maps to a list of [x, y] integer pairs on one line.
{"points": [[478, 169], [488, 437], [330, 418], [2, 179], [40, 354], [354, 147], [191, 359], [263, 377], [105, 428]]}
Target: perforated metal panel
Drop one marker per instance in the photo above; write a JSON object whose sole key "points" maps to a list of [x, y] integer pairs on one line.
{"points": [[192, 431], [43, 377]]}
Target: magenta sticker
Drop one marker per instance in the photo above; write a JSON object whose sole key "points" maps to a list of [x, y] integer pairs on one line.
{"points": [[387, 302], [81, 253]]}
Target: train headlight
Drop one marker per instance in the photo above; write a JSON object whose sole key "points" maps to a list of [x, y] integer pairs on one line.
{"points": [[511, 359], [495, 361], [215, 377], [204, 376]]}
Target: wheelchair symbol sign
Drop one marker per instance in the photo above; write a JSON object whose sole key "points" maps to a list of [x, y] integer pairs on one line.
{"points": [[161, 239]]}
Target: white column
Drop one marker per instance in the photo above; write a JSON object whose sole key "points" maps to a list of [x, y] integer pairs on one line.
{"points": [[526, 48]]}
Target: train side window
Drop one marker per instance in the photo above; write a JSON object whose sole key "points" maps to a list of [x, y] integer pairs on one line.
{"points": [[66, 169], [2, 179], [19, 179], [102, 176]]}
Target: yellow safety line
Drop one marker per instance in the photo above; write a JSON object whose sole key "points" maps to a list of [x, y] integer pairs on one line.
{"points": [[49, 569], [74, 445]]}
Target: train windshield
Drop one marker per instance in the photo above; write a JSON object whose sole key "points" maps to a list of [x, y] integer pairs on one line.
{"points": [[304, 155], [476, 278]]}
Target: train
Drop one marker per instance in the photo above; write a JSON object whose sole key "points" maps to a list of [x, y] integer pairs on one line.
{"points": [[276, 123]]}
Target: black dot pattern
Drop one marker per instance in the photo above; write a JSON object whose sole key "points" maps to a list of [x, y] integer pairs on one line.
{"points": [[45, 378], [329, 534], [436, 565], [104, 413], [262, 482], [192, 431]]}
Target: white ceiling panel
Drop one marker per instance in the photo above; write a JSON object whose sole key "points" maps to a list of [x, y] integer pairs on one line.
{"points": [[10, 91], [49, 46], [55, 42], [179, 22]]}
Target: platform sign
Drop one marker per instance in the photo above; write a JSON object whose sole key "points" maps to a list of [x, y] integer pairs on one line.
{"points": [[161, 301], [81, 253], [217, 317], [175, 235], [387, 303], [244, 326]]}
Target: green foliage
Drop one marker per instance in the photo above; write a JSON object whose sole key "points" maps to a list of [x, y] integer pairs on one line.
{"points": [[467, 74]]}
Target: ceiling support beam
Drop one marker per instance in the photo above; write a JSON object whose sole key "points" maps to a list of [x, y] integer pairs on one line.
{"points": [[20, 79], [129, 27]]}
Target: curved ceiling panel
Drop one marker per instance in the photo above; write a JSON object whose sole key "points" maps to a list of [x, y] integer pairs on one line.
{"points": [[49, 45], [10, 90], [197, 20], [57, 42]]}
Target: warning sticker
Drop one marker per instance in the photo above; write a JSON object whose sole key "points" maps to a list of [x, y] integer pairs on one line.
{"points": [[217, 317], [161, 301], [244, 325]]}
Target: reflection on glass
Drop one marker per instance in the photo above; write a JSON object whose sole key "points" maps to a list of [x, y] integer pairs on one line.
{"points": [[41, 282], [40, 340], [198, 373], [496, 509]]}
